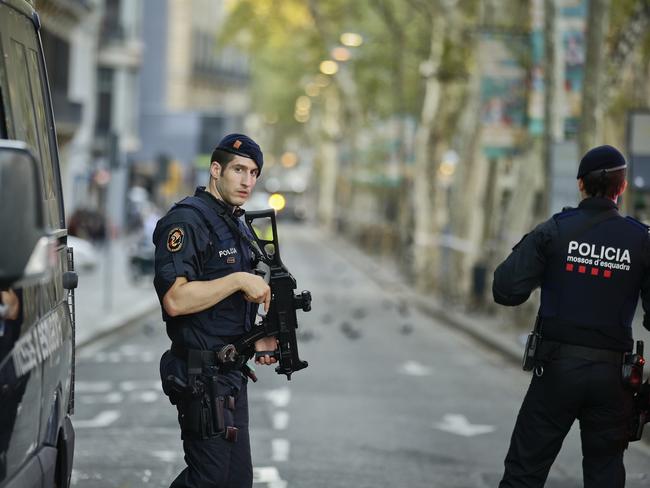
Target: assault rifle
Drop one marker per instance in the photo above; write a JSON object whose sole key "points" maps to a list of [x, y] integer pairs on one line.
{"points": [[280, 321]]}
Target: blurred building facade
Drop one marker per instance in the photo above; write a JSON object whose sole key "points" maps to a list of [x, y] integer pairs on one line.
{"points": [[119, 59], [192, 92]]}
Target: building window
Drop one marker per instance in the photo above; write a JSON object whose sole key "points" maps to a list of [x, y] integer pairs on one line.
{"points": [[104, 100]]}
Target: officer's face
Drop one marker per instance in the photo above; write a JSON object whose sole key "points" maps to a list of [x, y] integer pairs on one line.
{"points": [[237, 180]]}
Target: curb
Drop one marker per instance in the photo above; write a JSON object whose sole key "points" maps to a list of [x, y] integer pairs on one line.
{"points": [[497, 342], [118, 322]]}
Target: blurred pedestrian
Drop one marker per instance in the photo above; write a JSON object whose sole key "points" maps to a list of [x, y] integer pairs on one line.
{"points": [[209, 297], [591, 264]]}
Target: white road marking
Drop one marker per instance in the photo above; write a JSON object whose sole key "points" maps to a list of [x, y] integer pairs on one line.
{"points": [[279, 397], [130, 349], [167, 456], [146, 396], [120, 357], [147, 476], [140, 385], [280, 420], [414, 368], [93, 386], [268, 475], [113, 397], [280, 450], [459, 425], [104, 419]]}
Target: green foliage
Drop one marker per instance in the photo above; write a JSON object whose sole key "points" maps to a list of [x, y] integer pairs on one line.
{"points": [[280, 40], [287, 39]]}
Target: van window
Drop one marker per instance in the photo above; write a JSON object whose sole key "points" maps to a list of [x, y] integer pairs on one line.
{"points": [[31, 123], [41, 123], [25, 120]]}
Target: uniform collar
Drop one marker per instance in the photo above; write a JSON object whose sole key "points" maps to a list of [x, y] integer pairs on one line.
{"points": [[201, 192], [597, 203]]}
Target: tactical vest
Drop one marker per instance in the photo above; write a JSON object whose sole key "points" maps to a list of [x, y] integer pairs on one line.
{"points": [[591, 285], [228, 254]]}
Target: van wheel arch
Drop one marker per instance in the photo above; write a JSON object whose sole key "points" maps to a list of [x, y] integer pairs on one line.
{"points": [[65, 452]]}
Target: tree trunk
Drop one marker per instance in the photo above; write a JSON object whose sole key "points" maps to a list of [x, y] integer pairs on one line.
{"points": [[329, 158], [592, 96], [553, 90], [422, 188], [466, 208]]}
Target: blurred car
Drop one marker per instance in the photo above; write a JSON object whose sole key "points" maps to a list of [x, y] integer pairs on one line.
{"points": [[86, 256]]}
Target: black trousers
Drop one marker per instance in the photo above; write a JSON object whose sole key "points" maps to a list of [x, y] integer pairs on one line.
{"points": [[571, 389], [216, 462]]}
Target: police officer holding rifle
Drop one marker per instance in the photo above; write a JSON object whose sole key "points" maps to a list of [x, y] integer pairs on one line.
{"points": [[591, 264], [209, 296]]}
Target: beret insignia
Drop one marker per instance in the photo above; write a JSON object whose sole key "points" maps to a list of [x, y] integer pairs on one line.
{"points": [[237, 144], [175, 239]]}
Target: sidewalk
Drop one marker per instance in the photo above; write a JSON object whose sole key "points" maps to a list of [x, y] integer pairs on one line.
{"points": [[107, 299]]}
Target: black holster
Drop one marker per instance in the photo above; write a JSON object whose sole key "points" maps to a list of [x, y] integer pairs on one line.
{"points": [[206, 411]]}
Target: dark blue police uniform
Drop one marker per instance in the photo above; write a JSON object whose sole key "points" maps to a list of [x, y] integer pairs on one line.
{"points": [[195, 241], [591, 265]]}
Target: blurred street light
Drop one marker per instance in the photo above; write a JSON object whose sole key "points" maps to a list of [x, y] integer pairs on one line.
{"points": [[341, 54], [289, 159], [312, 89], [277, 202], [448, 166], [303, 104], [322, 81], [329, 67], [351, 39]]}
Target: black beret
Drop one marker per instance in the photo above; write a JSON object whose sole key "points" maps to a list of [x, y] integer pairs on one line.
{"points": [[242, 145], [605, 158]]}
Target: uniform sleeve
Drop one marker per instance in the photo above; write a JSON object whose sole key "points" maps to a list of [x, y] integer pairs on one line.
{"points": [[181, 244], [523, 270], [645, 286]]}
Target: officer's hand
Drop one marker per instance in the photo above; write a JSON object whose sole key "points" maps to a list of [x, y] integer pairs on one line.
{"points": [[255, 289], [266, 344]]}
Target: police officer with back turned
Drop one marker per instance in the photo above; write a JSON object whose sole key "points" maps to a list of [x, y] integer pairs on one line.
{"points": [[591, 264], [209, 297]]}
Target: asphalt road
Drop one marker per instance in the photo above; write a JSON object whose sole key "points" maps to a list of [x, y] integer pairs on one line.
{"points": [[391, 398]]}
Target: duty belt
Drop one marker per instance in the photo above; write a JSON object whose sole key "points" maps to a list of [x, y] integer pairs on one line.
{"points": [[208, 358], [558, 350]]}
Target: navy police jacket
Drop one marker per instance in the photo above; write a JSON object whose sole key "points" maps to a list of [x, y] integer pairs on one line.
{"points": [[193, 240], [590, 277]]}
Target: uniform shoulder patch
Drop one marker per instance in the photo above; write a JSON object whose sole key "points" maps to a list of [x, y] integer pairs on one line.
{"points": [[175, 239]]}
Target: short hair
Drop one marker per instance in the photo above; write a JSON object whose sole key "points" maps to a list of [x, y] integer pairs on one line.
{"points": [[601, 183], [222, 157]]}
